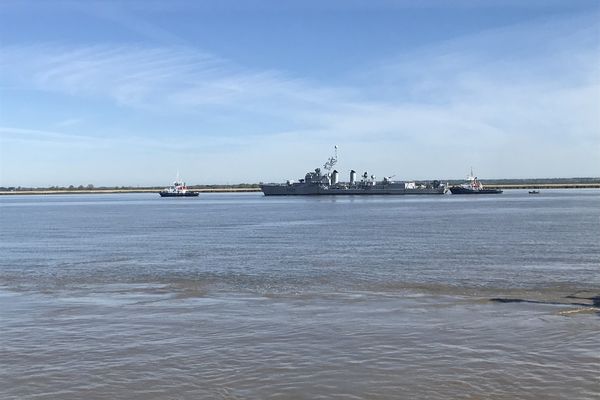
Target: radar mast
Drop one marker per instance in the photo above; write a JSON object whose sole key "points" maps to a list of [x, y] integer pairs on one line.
{"points": [[331, 161]]}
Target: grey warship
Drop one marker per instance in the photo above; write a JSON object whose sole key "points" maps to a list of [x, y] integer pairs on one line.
{"points": [[326, 182]]}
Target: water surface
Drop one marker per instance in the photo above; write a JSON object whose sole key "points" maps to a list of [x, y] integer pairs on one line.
{"points": [[241, 296]]}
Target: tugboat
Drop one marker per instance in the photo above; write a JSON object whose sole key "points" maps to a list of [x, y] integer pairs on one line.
{"points": [[178, 189], [473, 186]]}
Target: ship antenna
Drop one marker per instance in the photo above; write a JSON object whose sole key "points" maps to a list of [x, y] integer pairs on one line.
{"points": [[331, 161]]}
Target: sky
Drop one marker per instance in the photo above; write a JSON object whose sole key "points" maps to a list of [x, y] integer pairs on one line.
{"points": [[130, 92]]}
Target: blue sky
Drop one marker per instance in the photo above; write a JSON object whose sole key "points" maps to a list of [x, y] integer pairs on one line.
{"points": [[127, 93]]}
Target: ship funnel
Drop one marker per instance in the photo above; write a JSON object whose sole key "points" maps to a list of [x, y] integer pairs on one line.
{"points": [[334, 177], [352, 177]]}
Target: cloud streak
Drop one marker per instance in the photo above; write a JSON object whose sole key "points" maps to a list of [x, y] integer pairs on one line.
{"points": [[154, 78]]}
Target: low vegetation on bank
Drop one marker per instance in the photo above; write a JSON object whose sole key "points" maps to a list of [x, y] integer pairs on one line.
{"points": [[88, 188]]}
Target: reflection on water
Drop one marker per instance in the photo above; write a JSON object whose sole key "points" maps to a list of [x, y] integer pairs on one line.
{"points": [[238, 296]]}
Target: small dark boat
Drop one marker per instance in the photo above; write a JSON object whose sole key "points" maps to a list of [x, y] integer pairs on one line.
{"points": [[534, 192], [473, 186], [178, 189]]}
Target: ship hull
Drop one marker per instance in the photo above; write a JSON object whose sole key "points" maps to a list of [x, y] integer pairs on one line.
{"points": [[462, 190], [315, 190], [186, 194]]}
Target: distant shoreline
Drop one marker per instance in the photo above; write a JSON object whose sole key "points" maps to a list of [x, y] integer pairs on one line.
{"points": [[114, 191], [545, 186], [257, 189]]}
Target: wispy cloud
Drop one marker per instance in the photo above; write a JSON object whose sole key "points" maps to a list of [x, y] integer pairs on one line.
{"points": [[69, 122], [13, 134], [155, 78]]}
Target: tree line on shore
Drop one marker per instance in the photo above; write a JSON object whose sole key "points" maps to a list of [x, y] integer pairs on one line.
{"points": [[92, 187], [533, 181]]}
